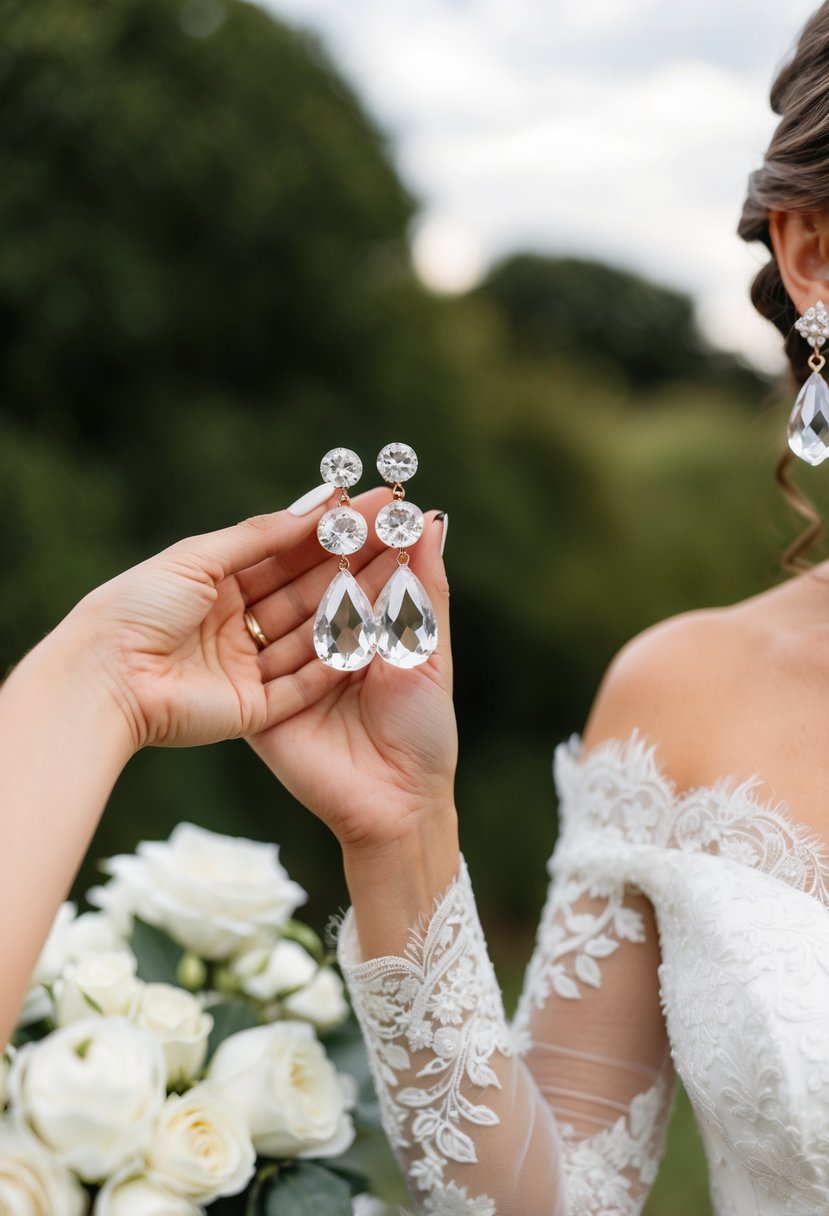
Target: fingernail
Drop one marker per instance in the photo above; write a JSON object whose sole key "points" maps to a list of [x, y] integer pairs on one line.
{"points": [[443, 516], [314, 498]]}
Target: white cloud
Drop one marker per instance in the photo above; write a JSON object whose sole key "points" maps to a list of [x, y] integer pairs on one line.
{"points": [[619, 129]]}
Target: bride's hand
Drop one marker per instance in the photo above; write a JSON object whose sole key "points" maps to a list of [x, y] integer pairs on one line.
{"points": [[372, 752]]}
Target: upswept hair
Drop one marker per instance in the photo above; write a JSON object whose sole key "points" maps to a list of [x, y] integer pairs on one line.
{"points": [[794, 176]]}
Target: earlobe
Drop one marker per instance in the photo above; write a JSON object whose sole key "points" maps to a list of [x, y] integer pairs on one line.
{"points": [[800, 240]]}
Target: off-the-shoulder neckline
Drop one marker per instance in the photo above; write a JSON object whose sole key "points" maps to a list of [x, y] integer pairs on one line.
{"points": [[620, 786]]}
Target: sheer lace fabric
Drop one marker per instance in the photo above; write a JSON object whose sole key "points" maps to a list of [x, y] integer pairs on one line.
{"points": [[460, 1109], [565, 1110]]}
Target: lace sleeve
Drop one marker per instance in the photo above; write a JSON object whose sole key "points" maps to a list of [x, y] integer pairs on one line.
{"points": [[462, 1112], [589, 1024], [561, 1115]]}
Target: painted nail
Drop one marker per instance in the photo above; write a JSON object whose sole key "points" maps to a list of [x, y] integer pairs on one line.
{"points": [[443, 516], [314, 498]]}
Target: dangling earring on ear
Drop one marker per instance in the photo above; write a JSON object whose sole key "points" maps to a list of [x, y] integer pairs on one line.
{"points": [[809, 420]]}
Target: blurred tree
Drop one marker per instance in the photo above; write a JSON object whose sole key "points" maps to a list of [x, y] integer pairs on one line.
{"points": [[608, 318], [204, 284]]}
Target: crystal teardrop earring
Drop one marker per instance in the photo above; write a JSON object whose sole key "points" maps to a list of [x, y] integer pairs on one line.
{"points": [[407, 631], [345, 634], [809, 421]]}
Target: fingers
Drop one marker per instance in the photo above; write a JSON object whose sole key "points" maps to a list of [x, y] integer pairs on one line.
{"points": [[286, 615], [286, 588], [266, 551], [275, 572], [247, 544]]}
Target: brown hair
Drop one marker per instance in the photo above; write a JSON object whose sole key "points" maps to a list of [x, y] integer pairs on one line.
{"points": [[794, 177]]}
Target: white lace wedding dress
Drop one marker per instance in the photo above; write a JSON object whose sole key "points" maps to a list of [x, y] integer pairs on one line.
{"points": [[564, 1112]]}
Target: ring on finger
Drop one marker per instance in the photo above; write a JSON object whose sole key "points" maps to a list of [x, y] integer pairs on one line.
{"points": [[255, 630]]}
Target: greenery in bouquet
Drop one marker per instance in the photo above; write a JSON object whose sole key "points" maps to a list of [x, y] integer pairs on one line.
{"points": [[178, 1048]]}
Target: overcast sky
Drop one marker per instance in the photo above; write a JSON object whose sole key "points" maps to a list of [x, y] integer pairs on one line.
{"points": [[617, 129]]}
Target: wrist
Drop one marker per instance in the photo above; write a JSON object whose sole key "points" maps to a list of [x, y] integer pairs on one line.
{"points": [[70, 675], [395, 883]]}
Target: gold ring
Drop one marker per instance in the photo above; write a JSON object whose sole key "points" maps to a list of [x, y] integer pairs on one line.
{"points": [[255, 630]]}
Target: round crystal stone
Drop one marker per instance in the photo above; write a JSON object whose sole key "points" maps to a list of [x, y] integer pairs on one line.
{"points": [[342, 531], [399, 524], [397, 462], [341, 467]]}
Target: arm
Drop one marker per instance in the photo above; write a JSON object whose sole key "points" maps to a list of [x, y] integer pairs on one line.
{"points": [[63, 742], [589, 1020], [567, 1111], [473, 1121], [158, 655]]}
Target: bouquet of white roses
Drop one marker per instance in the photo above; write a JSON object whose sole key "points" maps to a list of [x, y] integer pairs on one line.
{"points": [[168, 1057]]}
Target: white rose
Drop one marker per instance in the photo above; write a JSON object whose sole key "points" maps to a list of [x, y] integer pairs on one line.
{"points": [[177, 1020], [211, 893], [119, 902], [265, 972], [368, 1205], [136, 1195], [37, 1003], [32, 1183], [321, 1002], [290, 1094], [200, 1147], [93, 933], [91, 1092], [102, 983]]}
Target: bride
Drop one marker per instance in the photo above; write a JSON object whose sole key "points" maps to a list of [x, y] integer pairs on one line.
{"points": [[686, 928]]}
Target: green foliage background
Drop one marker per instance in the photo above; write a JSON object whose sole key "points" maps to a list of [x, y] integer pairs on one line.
{"points": [[205, 284]]}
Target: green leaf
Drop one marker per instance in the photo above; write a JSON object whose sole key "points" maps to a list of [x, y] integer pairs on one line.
{"points": [[347, 1052], [229, 1017], [235, 1205], [157, 954], [306, 1189], [32, 1032], [303, 935], [358, 1182]]}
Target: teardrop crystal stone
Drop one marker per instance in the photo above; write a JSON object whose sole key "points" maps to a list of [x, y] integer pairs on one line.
{"points": [[345, 635], [809, 421], [407, 632]]}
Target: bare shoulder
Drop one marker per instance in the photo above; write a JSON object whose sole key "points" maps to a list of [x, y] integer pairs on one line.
{"points": [[672, 679]]}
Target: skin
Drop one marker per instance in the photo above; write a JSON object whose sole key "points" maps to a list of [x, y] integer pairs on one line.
{"points": [[740, 691], [161, 656]]}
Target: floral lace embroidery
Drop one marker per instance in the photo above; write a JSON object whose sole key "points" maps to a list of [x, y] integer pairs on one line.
{"points": [[601, 1169], [568, 933], [619, 791], [573, 936], [439, 1003], [745, 968]]}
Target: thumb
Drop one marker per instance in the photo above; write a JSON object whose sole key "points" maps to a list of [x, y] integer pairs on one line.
{"points": [[230, 550]]}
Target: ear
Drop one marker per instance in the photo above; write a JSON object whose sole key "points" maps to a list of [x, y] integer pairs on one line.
{"points": [[800, 240]]}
